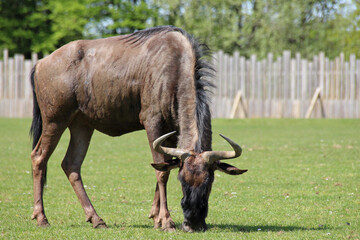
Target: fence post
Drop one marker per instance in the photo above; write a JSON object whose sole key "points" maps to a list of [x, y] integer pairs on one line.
{"points": [[316, 96]]}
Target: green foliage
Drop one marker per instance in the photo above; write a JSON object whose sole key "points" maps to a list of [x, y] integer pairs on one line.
{"points": [[260, 27], [302, 183], [248, 26], [113, 17], [44, 25]]}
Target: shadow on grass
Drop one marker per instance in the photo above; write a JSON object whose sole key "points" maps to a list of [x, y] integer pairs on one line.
{"points": [[241, 228], [264, 228]]}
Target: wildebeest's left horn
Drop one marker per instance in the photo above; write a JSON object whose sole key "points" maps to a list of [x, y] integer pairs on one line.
{"points": [[175, 152], [212, 156]]}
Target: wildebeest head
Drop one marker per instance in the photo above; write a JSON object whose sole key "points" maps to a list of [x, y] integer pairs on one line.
{"points": [[196, 174]]}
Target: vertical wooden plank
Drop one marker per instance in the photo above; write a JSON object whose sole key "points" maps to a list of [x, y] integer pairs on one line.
{"points": [[291, 107], [258, 80], [326, 91], [22, 76], [314, 75], [298, 75], [11, 79], [275, 80], [242, 76], [1, 80], [269, 74], [352, 76], [248, 86], [27, 84], [225, 82], [293, 79], [263, 78], [341, 79], [311, 80], [231, 82], [230, 78], [346, 82], [279, 88], [321, 70], [16, 76], [220, 81], [358, 79], [260, 77], [34, 58], [280, 82], [337, 78], [253, 76], [6, 73], [331, 79], [304, 79], [286, 73], [236, 71], [248, 78]]}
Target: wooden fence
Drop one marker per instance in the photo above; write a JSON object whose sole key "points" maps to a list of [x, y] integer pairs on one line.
{"points": [[281, 87], [285, 86], [15, 87]]}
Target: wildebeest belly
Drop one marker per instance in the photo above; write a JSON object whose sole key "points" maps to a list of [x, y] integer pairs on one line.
{"points": [[111, 111], [108, 91]]}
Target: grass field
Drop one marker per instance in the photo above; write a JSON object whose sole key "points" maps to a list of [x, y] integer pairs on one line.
{"points": [[303, 183]]}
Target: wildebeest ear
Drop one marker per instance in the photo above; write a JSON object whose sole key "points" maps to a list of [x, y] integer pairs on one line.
{"points": [[229, 169], [166, 166]]}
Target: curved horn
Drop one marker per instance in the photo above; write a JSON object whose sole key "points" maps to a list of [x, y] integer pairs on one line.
{"points": [[179, 153], [212, 156]]}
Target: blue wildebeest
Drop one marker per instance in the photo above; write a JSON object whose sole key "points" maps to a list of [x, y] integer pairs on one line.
{"points": [[155, 79]]}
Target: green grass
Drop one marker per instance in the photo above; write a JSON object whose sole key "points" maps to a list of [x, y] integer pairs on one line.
{"points": [[303, 183]]}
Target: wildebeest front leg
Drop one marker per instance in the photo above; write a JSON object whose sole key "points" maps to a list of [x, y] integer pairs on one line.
{"points": [[159, 211], [78, 146]]}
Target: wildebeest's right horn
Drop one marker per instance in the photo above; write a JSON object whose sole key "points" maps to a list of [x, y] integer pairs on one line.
{"points": [[175, 152], [212, 156]]}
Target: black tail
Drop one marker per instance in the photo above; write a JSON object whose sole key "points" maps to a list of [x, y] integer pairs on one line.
{"points": [[36, 125]]}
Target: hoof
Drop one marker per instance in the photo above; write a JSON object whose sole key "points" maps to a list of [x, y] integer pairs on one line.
{"points": [[170, 229], [157, 225], [43, 223], [169, 226], [41, 220], [100, 224]]}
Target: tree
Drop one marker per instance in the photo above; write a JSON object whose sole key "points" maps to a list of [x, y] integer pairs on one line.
{"points": [[44, 25], [113, 17], [19, 26], [248, 26]]}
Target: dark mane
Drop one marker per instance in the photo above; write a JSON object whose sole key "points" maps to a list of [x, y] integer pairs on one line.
{"points": [[141, 36], [204, 71]]}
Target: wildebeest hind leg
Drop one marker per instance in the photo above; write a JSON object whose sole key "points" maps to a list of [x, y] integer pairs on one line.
{"points": [[78, 146], [40, 155]]}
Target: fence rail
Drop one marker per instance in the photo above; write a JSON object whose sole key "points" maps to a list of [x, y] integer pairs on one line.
{"points": [[281, 87]]}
